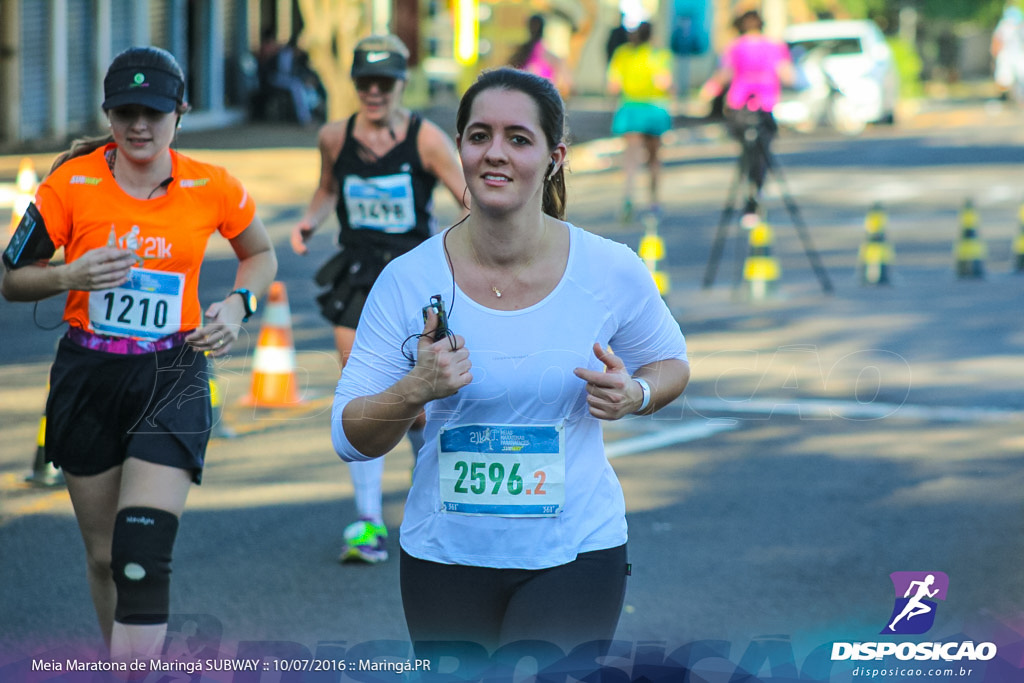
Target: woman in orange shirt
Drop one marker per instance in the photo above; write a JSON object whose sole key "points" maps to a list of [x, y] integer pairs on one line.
{"points": [[130, 377]]}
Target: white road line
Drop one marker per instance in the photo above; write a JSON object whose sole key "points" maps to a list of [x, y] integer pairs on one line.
{"points": [[666, 437], [853, 410]]}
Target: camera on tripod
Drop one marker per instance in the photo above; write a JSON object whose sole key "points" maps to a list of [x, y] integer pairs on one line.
{"points": [[755, 129]]}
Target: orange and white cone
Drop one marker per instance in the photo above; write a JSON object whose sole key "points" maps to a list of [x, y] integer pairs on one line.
{"points": [[25, 191], [273, 362]]}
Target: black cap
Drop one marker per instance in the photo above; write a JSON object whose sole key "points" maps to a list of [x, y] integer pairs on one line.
{"points": [[134, 78], [380, 56]]}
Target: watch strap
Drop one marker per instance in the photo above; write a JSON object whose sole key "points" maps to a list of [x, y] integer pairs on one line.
{"points": [[247, 298], [646, 388]]}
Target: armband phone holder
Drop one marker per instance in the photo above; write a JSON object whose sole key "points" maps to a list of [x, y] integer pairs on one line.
{"points": [[437, 306], [30, 241]]}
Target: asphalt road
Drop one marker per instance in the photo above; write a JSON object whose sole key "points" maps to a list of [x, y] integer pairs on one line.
{"points": [[826, 441]]}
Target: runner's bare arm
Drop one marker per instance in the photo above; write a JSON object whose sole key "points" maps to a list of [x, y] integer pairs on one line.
{"points": [[100, 268], [257, 266], [325, 197], [441, 159]]}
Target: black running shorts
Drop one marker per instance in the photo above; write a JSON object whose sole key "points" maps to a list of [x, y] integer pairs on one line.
{"points": [[106, 407]]}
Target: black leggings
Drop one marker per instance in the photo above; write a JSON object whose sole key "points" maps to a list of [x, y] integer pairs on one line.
{"points": [[565, 605]]}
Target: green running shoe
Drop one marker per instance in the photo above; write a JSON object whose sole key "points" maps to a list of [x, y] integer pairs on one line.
{"points": [[365, 541]]}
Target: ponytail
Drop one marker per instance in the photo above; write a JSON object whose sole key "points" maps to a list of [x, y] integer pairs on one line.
{"points": [[553, 203], [81, 147]]}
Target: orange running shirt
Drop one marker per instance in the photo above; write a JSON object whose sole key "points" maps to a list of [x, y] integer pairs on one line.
{"points": [[84, 208]]}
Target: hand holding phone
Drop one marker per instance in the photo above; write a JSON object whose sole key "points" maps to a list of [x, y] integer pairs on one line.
{"points": [[437, 306]]}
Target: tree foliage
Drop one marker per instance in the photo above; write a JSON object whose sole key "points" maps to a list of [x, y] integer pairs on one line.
{"points": [[982, 12]]}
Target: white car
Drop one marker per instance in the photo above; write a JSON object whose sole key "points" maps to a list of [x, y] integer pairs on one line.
{"points": [[850, 76]]}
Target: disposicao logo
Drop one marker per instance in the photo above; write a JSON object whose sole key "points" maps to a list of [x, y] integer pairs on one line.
{"points": [[916, 593], [913, 613]]}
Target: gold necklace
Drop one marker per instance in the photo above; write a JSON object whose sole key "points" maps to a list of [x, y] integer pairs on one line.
{"points": [[495, 288]]}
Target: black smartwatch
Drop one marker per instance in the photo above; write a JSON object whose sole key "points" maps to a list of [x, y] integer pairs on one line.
{"points": [[249, 301]]}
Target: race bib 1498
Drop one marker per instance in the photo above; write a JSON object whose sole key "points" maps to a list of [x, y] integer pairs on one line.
{"points": [[383, 203]]}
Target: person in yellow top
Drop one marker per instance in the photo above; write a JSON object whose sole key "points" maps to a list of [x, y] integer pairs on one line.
{"points": [[640, 75]]}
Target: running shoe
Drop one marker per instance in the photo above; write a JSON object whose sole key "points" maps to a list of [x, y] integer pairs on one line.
{"points": [[365, 541]]}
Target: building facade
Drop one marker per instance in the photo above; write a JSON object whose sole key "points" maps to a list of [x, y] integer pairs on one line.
{"points": [[54, 54]]}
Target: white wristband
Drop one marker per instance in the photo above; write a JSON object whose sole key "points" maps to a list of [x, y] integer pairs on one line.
{"points": [[646, 389]]}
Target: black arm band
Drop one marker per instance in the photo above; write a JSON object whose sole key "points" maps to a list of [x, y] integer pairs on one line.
{"points": [[30, 242]]}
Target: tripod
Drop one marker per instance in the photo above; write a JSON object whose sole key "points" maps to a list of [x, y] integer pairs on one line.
{"points": [[755, 127]]}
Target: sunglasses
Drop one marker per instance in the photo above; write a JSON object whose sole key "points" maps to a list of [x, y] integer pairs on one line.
{"points": [[384, 85]]}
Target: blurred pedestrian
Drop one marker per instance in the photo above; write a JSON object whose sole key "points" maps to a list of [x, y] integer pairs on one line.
{"points": [[514, 528], [285, 69], [754, 67], [1008, 53], [128, 415], [640, 75], [533, 56], [616, 37], [378, 169]]}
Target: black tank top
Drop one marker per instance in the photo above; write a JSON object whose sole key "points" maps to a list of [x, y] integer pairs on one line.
{"points": [[387, 203]]}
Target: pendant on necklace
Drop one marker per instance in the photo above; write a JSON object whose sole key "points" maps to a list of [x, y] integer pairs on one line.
{"points": [[497, 292]]}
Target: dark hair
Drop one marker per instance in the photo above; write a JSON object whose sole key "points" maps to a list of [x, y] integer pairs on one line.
{"points": [[642, 33], [133, 57], [550, 112], [535, 25], [751, 19]]}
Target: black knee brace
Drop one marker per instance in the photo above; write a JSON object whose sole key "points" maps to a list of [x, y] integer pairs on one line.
{"points": [[141, 562]]}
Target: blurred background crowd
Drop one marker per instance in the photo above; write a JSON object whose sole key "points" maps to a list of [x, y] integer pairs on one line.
{"points": [[288, 60]]}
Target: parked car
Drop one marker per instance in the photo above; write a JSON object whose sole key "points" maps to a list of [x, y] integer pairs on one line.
{"points": [[850, 77]]}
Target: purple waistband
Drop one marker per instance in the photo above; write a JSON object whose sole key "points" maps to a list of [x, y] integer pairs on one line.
{"points": [[124, 345]]}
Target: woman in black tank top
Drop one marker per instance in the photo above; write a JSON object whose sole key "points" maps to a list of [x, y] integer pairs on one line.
{"points": [[378, 170]]}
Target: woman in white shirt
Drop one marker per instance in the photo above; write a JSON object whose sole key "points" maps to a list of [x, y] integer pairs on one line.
{"points": [[515, 526]]}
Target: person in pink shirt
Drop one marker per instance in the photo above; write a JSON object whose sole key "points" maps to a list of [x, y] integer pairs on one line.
{"points": [[754, 67]]}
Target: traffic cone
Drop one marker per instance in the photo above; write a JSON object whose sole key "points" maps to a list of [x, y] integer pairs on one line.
{"points": [[43, 473], [273, 363], [25, 191], [1018, 244], [875, 254], [652, 250], [761, 269], [970, 251]]}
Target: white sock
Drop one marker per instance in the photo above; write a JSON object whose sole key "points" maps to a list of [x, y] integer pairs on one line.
{"points": [[366, 480]]}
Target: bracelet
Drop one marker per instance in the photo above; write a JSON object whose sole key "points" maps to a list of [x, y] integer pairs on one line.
{"points": [[646, 388]]}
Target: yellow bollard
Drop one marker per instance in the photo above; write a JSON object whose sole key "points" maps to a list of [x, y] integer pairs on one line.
{"points": [[761, 269], [1018, 244], [652, 250], [969, 251], [875, 255], [43, 473], [220, 428]]}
